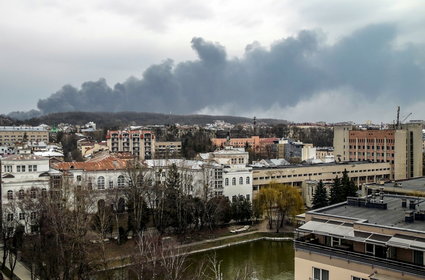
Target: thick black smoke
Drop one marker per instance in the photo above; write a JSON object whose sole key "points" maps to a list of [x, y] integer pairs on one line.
{"points": [[293, 69]]}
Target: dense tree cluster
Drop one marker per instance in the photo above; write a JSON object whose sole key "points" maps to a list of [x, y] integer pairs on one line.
{"points": [[341, 189], [196, 142]]}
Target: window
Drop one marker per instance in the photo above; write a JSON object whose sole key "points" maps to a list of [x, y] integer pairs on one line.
{"points": [[21, 194], [34, 168], [240, 180], [248, 197], [357, 278], [10, 195], [8, 168], [101, 182], [33, 215], [43, 193], [121, 181], [79, 178], [248, 180], [9, 217], [418, 257], [111, 184], [21, 216], [33, 193], [234, 181], [370, 249], [336, 241], [226, 181], [320, 274]]}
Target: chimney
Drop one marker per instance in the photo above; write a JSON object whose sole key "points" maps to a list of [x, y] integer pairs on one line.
{"points": [[408, 217], [403, 203]]}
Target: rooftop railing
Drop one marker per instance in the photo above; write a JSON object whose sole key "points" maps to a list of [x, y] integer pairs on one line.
{"points": [[395, 265]]}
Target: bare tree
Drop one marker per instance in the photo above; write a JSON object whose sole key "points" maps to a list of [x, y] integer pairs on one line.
{"points": [[138, 184]]}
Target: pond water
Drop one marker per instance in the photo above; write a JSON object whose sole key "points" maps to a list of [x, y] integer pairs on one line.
{"points": [[270, 260]]}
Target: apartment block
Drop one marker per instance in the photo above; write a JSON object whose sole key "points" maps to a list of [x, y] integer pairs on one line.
{"points": [[401, 147], [9, 135], [140, 143], [168, 149], [379, 237]]}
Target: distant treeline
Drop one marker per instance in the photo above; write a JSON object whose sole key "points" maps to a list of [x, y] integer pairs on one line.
{"points": [[122, 119]]}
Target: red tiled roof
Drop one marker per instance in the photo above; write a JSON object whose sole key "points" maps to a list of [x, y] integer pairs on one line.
{"points": [[97, 164]]}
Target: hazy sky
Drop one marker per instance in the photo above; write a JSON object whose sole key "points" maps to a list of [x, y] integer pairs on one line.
{"points": [[310, 60]]}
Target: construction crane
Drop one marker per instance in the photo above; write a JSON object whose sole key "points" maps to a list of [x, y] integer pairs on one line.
{"points": [[399, 123], [398, 118]]}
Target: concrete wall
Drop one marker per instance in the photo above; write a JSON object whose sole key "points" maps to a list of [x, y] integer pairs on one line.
{"points": [[341, 135]]}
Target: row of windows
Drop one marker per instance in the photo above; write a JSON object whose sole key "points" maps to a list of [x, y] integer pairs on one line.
{"points": [[371, 147], [371, 154], [101, 182], [237, 160], [289, 176], [362, 140], [247, 181], [21, 194], [20, 168], [10, 216], [323, 274], [372, 160], [360, 171]]}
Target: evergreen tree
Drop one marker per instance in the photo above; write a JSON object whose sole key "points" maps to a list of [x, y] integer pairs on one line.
{"points": [[348, 186], [320, 197], [172, 200], [336, 191], [351, 189]]}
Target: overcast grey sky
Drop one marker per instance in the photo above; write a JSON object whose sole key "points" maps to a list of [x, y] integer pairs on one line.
{"points": [[310, 60]]}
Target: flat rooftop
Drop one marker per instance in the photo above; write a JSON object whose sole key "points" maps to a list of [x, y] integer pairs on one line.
{"points": [[23, 128], [393, 216], [417, 184], [345, 163]]}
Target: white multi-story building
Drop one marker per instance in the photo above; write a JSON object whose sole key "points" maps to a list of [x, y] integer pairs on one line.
{"points": [[25, 177], [236, 175], [237, 181], [198, 178]]}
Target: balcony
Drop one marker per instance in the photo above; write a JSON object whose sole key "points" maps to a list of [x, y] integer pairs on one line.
{"points": [[311, 246]]}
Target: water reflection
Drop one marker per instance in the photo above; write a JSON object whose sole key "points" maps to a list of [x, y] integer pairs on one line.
{"points": [[270, 260]]}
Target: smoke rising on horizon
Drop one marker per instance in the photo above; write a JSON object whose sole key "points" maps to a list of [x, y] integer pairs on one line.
{"points": [[293, 69]]}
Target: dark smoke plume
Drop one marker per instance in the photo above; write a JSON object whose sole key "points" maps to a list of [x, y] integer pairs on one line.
{"points": [[292, 69]]}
